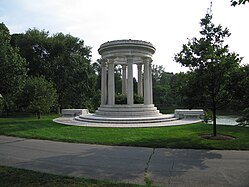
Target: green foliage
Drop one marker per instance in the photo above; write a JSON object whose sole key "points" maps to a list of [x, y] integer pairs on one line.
{"points": [[185, 136], [11, 177], [244, 120], [207, 116], [157, 72], [138, 99], [95, 101], [213, 66], [12, 70], [169, 89], [241, 80], [39, 95], [64, 60], [1, 104], [120, 99]]}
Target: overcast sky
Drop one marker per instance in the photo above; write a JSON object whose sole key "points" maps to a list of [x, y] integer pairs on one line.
{"points": [[165, 23]]}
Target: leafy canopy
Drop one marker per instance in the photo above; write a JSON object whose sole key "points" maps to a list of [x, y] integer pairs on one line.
{"points": [[212, 65]]}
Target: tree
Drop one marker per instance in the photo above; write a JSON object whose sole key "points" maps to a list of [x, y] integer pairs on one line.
{"points": [[34, 47], [239, 2], [244, 120], [39, 95], [71, 71], [157, 72], [212, 65], [12, 70], [62, 59]]}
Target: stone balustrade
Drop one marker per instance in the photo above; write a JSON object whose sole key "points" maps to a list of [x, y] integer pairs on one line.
{"points": [[73, 112], [189, 113]]}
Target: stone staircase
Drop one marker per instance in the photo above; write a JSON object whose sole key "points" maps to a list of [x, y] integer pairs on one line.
{"points": [[126, 114]]}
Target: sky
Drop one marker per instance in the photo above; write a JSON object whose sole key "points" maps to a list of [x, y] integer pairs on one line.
{"points": [[167, 24]]}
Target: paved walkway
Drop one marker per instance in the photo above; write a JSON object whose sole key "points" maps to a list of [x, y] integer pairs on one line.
{"points": [[164, 167]]}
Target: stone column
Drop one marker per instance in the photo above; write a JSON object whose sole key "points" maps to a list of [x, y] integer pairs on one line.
{"points": [[130, 81], [146, 82], [124, 81], [140, 83], [111, 83], [151, 89], [103, 84]]}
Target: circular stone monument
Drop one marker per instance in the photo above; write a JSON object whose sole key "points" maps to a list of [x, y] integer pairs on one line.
{"points": [[128, 54]]}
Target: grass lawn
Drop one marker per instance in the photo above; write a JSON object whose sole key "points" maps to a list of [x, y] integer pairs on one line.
{"points": [[23, 178], [186, 136]]}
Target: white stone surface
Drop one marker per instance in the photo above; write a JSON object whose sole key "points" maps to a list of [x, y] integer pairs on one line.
{"points": [[126, 111], [132, 124], [73, 112], [189, 113]]}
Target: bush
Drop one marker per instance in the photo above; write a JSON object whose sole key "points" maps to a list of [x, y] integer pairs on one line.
{"points": [[120, 99], [244, 120], [39, 95], [138, 99]]}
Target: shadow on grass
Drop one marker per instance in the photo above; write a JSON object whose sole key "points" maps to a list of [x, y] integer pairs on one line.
{"points": [[182, 142]]}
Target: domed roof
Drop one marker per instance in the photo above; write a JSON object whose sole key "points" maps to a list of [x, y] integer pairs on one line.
{"points": [[126, 48]]}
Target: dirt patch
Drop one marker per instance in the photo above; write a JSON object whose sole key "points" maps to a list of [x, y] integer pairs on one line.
{"points": [[217, 137]]}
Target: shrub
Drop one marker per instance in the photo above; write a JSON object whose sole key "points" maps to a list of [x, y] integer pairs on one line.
{"points": [[244, 120], [120, 99], [138, 99]]}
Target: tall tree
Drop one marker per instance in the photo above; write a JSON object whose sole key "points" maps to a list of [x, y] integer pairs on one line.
{"points": [[212, 64], [71, 71], [62, 59], [12, 70], [34, 47]]}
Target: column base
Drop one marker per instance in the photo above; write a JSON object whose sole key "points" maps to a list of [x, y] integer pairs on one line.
{"points": [[128, 111]]}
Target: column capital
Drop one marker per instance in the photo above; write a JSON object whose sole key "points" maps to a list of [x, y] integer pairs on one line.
{"points": [[103, 64], [139, 66], [147, 60], [110, 60]]}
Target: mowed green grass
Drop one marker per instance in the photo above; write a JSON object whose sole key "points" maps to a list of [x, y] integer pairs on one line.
{"points": [[185, 136], [23, 178]]}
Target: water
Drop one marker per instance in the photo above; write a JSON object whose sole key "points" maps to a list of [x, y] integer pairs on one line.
{"points": [[226, 120]]}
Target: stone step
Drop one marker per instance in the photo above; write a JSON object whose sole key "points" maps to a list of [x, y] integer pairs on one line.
{"points": [[140, 109], [136, 110], [98, 119], [127, 113]]}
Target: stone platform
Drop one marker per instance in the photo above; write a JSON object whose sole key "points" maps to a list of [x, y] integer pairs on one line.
{"points": [[128, 111], [127, 123], [136, 115], [92, 118]]}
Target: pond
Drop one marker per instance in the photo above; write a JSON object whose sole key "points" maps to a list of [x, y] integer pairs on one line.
{"points": [[226, 120]]}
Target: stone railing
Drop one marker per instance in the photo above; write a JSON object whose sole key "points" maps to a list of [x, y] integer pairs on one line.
{"points": [[73, 112], [186, 113]]}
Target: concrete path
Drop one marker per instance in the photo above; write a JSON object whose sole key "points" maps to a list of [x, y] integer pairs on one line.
{"points": [[162, 167]]}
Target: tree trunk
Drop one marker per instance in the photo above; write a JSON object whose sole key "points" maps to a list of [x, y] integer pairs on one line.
{"points": [[39, 115], [214, 120]]}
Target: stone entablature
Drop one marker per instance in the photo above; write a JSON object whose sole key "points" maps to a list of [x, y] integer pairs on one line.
{"points": [[124, 48]]}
